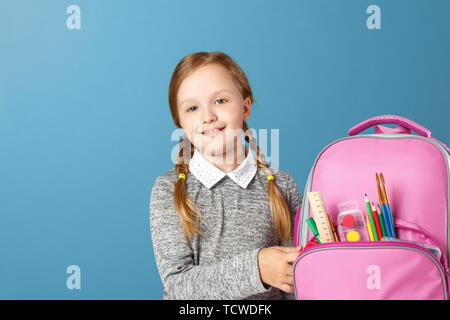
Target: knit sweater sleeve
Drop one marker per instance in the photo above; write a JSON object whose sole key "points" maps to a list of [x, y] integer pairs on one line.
{"points": [[234, 278]]}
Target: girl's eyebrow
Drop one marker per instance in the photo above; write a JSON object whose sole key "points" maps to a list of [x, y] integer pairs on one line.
{"points": [[213, 94]]}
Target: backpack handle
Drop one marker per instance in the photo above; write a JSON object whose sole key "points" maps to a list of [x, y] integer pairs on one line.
{"points": [[404, 126]]}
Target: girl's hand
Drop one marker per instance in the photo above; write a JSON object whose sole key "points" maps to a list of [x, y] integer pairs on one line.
{"points": [[275, 266]]}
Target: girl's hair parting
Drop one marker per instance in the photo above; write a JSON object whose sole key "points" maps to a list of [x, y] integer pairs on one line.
{"points": [[186, 208]]}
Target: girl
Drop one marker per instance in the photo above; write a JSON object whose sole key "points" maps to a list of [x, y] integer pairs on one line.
{"points": [[221, 229]]}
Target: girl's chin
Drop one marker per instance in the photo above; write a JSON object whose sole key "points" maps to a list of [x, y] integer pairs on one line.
{"points": [[217, 144], [217, 151], [212, 149]]}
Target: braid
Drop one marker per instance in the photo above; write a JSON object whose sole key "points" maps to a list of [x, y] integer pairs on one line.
{"points": [[186, 208], [183, 157], [260, 158], [279, 209]]}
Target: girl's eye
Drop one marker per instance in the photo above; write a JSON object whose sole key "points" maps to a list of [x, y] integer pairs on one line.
{"points": [[222, 101], [218, 101]]}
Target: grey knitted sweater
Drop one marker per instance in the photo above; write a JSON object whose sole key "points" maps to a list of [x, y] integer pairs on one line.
{"points": [[222, 262]]}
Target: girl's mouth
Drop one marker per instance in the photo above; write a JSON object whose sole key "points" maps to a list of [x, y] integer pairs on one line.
{"points": [[212, 132]]}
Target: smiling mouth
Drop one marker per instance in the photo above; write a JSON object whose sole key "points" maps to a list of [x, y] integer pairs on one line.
{"points": [[212, 132]]}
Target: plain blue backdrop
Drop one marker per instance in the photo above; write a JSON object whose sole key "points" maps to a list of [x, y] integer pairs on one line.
{"points": [[85, 124]]}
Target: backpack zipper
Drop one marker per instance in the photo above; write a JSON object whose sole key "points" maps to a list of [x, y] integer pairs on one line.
{"points": [[375, 245]]}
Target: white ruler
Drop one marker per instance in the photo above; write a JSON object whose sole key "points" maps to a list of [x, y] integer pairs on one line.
{"points": [[321, 216]]}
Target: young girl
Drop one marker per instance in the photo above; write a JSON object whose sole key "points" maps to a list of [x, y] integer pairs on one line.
{"points": [[221, 229]]}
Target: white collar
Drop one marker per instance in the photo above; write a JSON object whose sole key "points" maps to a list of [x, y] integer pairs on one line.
{"points": [[209, 175]]}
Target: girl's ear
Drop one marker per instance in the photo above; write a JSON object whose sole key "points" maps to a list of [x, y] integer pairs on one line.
{"points": [[247, 108]]}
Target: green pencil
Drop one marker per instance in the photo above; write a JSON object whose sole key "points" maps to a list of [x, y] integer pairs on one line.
{"points": [[372, 221], [380, 217]]}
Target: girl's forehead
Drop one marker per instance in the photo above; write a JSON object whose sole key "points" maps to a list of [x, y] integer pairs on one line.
{"points": [[206, 80]]}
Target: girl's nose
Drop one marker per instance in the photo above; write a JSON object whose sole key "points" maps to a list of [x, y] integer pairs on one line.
{"points": [[208, 116]]}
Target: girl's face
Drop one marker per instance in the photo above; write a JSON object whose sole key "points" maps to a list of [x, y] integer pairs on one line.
{"points": [[211, 110]]}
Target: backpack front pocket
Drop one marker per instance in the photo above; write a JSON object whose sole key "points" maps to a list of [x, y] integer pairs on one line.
{"points": [[369, 270]]}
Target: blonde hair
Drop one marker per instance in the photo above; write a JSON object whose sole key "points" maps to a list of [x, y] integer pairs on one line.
{"points": [[186, 208]]}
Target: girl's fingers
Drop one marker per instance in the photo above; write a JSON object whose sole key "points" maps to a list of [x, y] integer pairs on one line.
{"points": [[288, 279], [287, 288], [287, 276], [292, 256], [291, 249]]}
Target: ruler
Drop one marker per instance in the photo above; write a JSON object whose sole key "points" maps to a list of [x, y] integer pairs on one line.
{"points": [[321, 216]]}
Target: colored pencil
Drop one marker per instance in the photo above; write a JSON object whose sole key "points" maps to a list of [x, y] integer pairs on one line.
{"points": [[382, 224], [369, 228], [377, 222], [372, 221]]}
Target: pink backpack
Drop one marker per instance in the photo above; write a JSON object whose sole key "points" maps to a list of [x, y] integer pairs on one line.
{"points": [[416, 168]]}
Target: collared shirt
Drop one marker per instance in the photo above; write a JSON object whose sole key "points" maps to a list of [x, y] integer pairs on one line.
{"points": [[209, 174]]}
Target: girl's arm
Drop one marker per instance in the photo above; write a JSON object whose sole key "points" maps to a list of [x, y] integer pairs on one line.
{"points": [[234, 278]]}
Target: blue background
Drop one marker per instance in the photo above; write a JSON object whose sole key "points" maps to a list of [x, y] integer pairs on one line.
{"points": [[85, 124]]}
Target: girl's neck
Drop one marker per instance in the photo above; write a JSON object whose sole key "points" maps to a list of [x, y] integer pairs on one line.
{"points": [[228, 162]]}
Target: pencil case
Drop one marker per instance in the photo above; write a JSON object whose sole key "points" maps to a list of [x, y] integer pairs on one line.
{"points": [[376, 270], [417, 167]]}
